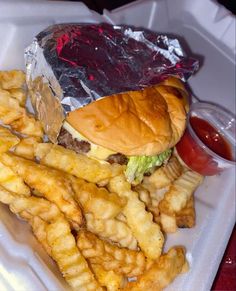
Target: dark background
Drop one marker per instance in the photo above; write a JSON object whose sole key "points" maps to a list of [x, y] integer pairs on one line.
{"points": [[99, 5]]}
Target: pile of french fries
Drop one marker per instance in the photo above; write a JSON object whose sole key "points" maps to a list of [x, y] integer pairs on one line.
{"points": [[103, 233]]}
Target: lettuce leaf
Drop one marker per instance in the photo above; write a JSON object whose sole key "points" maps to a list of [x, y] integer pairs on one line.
{"points": [[139, 165]]}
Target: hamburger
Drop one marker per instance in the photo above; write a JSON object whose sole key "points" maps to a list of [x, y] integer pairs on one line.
{"points": [[136, 128]]}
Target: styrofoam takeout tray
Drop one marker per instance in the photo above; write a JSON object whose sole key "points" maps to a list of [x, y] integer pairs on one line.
{"points": [[208, 32]]}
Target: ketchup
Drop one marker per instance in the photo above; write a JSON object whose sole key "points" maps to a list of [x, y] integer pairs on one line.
{"points": [[211, 138], [195, 156]]}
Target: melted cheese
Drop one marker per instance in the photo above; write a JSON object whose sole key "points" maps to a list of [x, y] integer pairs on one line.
{"points": [[96, 152]]}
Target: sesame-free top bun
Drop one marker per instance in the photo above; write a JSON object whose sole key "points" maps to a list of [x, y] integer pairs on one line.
{"points": [[144, 122]]}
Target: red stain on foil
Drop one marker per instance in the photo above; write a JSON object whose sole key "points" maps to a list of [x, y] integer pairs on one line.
{"points": [[91, 77], [62, 41]]}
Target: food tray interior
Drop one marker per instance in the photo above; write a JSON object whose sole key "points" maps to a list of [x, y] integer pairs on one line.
{"points": [[210, 37]]}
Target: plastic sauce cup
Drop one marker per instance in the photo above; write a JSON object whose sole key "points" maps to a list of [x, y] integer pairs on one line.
{"points": [[208, 144]]}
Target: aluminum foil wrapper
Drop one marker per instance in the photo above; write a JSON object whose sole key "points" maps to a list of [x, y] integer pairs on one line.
{"points": [[71, 65]]}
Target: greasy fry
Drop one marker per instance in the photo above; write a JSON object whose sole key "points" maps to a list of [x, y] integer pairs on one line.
{"points": [[161, 273], [25, 148], [78, 165], [95, 200], [180, 192], [147, 233], [7, 139], [12, 79], [109, 279], [12, 182], [68, 257], [164, 175], [52, 184], [111, 257], [113, 230], [185, 218]]}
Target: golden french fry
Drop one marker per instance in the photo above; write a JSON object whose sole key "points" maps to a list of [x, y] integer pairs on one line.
{"points": [[146, 197], [111, 257], [68, 257], [12, 182], [108, 279], [95, 200], [164, 175], [28, 125], [27, 207], [168, 223], [25, 148], [7, 139], [51, 183], [180, 192], [19, 94], [11, 113], [12, 79], [161, 273], [39, 229], [147, 232], [185, 218], [55, 235], [10, 109], [78, 165], [112, 229]]}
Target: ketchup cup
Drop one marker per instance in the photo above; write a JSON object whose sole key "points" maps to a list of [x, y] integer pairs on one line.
{"points": [[208, 144]]}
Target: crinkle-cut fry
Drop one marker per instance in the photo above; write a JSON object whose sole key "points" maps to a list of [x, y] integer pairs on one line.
{"points": [[108, 278], [27, 207], [168, 223], [11, 113], [78, 165], [71, 263], [19, 94], [25, 148], [7, 139], [12, 182], [12, 79], [185, 218], [164, 175], [157, 196], [52, 184], [147, 232], [112, 229], [111, 257], [39, 229], [161, 273], [10, 109], [144, 195], [98, 201], [146, 198], [28, 125], [180, 192]]}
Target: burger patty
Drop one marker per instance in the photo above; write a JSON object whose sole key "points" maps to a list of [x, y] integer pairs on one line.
{"points": [[117, 158], [66, 140]]}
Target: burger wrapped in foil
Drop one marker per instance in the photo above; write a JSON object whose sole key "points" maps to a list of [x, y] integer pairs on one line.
{"points": [[71, 65]]}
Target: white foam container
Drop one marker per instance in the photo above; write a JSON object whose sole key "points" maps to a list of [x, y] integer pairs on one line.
{"points": [[209, 32]]}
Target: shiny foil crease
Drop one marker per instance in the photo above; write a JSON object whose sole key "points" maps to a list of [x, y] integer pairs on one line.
{"points": [[71, 65]]}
